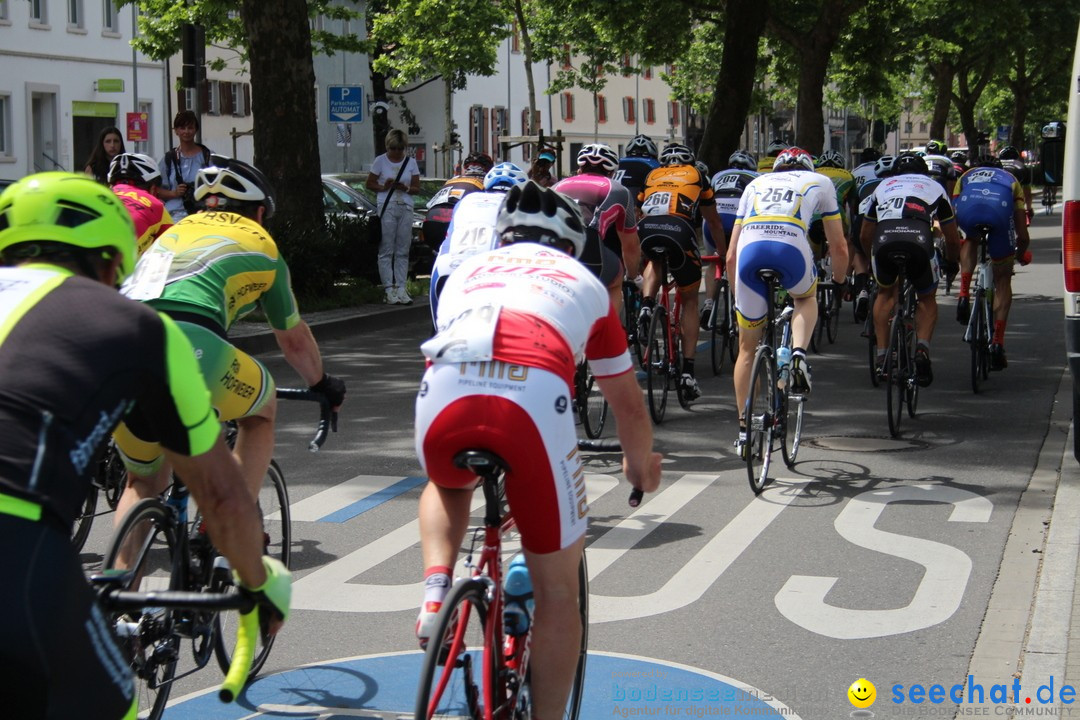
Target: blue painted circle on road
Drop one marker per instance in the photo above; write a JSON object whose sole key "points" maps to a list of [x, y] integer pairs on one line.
{"points": [[615, 686]]}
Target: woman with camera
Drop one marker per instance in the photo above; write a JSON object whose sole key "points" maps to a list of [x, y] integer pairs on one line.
{"points": [[180, 166]]}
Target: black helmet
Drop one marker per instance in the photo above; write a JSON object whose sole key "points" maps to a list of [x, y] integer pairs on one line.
{"points": [[477, 164], [1009, 153], [910, 163], [233, 182], [869, 154], [988, 161]]}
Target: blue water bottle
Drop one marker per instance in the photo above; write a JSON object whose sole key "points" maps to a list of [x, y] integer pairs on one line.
{"points": [[518, 596], [783, 365]]}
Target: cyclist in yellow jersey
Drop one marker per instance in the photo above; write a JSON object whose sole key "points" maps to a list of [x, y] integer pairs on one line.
{"points": [[765, 162], [76, 357], [210, 269]]}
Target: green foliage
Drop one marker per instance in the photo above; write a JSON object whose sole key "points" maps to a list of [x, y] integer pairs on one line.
{"points": [[310, 253], [160, 23], [452, 38], [694, 80]]}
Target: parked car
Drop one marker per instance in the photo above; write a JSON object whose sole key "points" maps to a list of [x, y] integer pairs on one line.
{"points": [[342, 202], [1070, 239], [428, 188]]}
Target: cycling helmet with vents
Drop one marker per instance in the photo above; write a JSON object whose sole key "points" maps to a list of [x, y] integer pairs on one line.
{"points": [[477, 164], [143, 169], [775, 148], [884, 166], [598, 155], [830, 158], [68, 209], [742, 160], [641, 146], [936, 147], [505, 176], [532, 213], [910, 163], [676, 154], [230, 182], [793, 158]]}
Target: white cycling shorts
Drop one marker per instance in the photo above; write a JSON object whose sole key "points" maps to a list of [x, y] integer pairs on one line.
{"points": [[783, 249], [523, 415]]}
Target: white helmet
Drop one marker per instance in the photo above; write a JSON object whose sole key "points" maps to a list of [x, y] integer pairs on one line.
{"points": [[504, 175], [599, 155], [532, 213], [133, 166]]}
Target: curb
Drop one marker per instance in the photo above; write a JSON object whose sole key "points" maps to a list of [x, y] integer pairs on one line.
{"points": [[334, 325]]}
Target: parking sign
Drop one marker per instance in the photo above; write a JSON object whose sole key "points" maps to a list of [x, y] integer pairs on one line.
{"points": [[346, 103]]}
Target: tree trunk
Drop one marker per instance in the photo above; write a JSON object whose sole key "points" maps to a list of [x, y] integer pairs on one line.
{"points": [[380, 121], [810, 111], [448, 139], [967, 96], [283, 106], [735, 85], [527, 53], [1021, 89], [943, 81]]}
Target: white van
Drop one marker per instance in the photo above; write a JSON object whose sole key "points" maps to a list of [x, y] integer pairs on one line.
{"points": [[1070, 239]]}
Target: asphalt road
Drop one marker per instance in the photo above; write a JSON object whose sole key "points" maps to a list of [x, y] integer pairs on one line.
{"points": [[874, 559]]}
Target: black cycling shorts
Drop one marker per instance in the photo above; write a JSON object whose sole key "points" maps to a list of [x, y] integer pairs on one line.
{"points": [[58, 657], [677, 236], [915, 241], [599, 258]]}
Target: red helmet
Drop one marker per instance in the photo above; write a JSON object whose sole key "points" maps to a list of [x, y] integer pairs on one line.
{"points": [[794, 158]]}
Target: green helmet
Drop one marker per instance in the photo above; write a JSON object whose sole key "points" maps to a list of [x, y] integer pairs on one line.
{"points": [[70, 209]]}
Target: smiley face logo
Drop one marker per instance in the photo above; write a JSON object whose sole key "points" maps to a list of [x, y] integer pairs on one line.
{"points": [[862, 693]]}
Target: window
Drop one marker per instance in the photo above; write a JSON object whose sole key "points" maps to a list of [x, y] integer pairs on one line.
{"points": [[601, 109], [922, 127], [109, 20], [4, 10], [213, 105], [628, 110], [39, 12], [185, 99], [648, 73], [626, 60], [5, 126], [500, 122], [673, 114], [316, 23], [907, 128], [75, 13], [240, 99], [477, 127], [566, 105], [648, 110]]}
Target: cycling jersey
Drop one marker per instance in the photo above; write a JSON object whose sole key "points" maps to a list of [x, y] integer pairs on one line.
{"points": [[675, 190], [774, 215], [512, 325], [990, 196], [844, 183], [632, 171], [728, 186], [441, 207], [75, 358], [1018, 170], [941, 169], [608, 209], [150, 216], [904, 208], [471, 231], [765, 164], [217, 265], [863, 173]]}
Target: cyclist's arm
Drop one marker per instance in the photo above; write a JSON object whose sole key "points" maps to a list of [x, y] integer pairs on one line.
{"points": [[301, 351], [640, 464], [716, 228], [866, 235], [838, 251], [732, 252], [631, 251], [952, 240]]}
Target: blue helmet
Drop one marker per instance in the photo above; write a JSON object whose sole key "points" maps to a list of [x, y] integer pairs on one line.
{"points": [[504, 175]]}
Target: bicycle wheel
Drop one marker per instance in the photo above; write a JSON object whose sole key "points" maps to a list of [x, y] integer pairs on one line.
{"points": [[832, 317], [718, 337], [85, 519], [760, 407], [980, 342], [911, 388], [573, 703], [731, 322], [147, 545], [592, 406], [817, 336], [896, 374], [277, 542], [791, 437], [112, 475], [631, 311], [657, 365], [452, 674]]}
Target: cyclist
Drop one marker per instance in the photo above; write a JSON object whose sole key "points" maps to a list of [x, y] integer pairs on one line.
{"points": [[1012, 161], [441, 206], [77, 357], [863, 173], [900, 216], [548, 312], [207, 271], [728, 186], [674, 194], [765, 163], [472, 226], [989, 195], [610, 218], [134, 178], [831, 164], [940, 166], [960, 161], [770, 232], [635, 166]]}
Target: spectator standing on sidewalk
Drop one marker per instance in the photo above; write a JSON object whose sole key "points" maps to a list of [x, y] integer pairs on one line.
{"points": [[395, 178], [180, 165]]}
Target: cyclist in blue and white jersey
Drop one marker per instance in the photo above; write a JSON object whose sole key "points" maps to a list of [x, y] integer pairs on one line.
{"points": [[728, 186], [641, 159], [866, 179], [472, 226], [900, 215]]}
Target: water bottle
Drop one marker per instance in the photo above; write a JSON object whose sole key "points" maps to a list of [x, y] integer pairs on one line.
{"points": [[518, 596], [783, 365]]}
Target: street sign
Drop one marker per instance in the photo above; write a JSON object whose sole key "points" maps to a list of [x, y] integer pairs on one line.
{"points": [[107, 85], [346, 103]]}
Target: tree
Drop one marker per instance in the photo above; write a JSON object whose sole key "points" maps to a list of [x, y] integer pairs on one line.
{"points": [[420, 39]]}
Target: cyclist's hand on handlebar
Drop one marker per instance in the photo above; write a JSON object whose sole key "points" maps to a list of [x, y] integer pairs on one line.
{"points": [[1023, 258], [275, 594], [333, 388], [645, 477]]}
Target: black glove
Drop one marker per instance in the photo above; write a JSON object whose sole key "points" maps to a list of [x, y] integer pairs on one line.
{"points": [[838, 294], [333, 388]]}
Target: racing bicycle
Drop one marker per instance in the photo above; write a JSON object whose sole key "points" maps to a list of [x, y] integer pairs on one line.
{"points": [[898, 371], [721, 323], [979, 332]]}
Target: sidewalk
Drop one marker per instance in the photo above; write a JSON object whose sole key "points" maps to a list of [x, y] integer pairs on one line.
{"points": [[1031, 630]]}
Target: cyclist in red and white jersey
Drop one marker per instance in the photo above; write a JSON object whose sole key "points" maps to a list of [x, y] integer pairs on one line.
{"points": [[900, 216], [610, 218], [512, 324], [134, 177]]}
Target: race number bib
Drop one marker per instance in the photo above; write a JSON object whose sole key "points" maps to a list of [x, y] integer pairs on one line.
{"points": [[148, 280], [467, 337], [657, 204], [444, 195]]}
